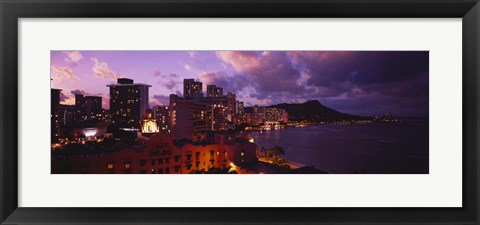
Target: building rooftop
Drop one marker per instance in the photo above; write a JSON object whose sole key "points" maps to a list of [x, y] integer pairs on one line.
{"points": [[135, 84]]}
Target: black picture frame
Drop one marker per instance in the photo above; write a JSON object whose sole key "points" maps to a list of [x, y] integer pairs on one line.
{"points": [[12, 10]]}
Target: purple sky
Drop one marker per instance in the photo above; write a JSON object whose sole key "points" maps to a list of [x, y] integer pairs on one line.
{"points": [[356, 82]]}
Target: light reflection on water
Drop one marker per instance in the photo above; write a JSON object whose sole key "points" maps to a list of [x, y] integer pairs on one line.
{"points": [[373, 148]]}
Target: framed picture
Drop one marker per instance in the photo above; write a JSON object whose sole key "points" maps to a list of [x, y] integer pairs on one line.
{"points": [[199, 112]]}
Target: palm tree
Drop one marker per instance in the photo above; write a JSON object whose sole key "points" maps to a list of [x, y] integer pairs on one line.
{"points": [[278, 152]]}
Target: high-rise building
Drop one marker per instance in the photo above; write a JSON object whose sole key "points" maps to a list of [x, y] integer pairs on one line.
{"points": [[54, 117], [87, 108], [93, 107], [213, 91], [80, 113], [231, 105], [192, 89], [188, 118], [66, 115], [216, 117], [162, 114], [239, 107], [128, 103], [259, 113]]}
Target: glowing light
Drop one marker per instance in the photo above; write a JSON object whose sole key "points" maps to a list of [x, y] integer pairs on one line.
{"points": [[90, 132], [232, 167], [251, 140], [150, 126]]}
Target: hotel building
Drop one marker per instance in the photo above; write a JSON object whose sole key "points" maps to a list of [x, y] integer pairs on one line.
{"points": [[128, 103], [162, 114], [54, 117], [192, 89], [213, 91], [159, 155]]}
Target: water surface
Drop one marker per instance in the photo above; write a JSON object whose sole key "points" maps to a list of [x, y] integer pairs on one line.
{"points": [[397, 148]]}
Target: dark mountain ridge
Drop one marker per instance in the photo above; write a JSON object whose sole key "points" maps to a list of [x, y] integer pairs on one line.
{"points": [[313, 110]]}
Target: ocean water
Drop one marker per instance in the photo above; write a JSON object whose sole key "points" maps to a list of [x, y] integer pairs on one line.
{"points": [[380, 148]]}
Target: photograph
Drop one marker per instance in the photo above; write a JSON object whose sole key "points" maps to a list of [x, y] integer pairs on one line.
{"points": [[239, 112]]}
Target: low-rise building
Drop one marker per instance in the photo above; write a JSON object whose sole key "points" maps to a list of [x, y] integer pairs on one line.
{"points": [[159, 155]]}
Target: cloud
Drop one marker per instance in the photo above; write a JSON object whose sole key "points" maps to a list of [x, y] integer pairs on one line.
{"points": [[105, 101], [192, 54], [62, 74], [70, 97], [214, 78], [241, 61], [187, 67], [268, 72], [233, 83], [391, 78], [102, 70], [77, 91], [63, 97], [339, 72], [160, 100], [67, 98], [156, 72], [366, 81], [170, 81], [73, 57]]}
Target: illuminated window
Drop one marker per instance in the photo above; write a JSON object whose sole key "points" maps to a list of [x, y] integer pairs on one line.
{"points": [[242, 153], [110, 165], [127, 165]]}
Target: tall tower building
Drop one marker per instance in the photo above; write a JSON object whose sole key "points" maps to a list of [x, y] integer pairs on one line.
{"points": [[192, 88], [188, 118], [79, 113], [213, 91], [128, 103], [93, 107], [54, 117], [231, 105], [162, 114]]}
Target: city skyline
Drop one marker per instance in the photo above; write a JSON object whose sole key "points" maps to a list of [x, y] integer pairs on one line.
{"points": [[182, 119], [351, 82]]}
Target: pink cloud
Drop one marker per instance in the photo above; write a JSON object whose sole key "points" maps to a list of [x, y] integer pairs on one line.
{"points": [[268, 71], [187, 67], [73, 57], [102, 70], [192, 54], [156, 72], [62, 74], [241, 61]]}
